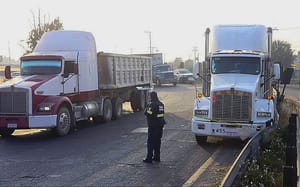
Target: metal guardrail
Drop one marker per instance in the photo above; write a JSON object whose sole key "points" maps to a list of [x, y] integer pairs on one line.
{"points": [[290, 167], [249, 152]]}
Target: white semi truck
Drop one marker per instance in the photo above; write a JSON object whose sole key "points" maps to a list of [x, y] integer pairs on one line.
{"points": [[65, 80], [237, 98]]}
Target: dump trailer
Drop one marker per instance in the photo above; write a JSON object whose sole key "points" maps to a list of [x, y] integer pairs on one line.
{"points": [[65, 80]]}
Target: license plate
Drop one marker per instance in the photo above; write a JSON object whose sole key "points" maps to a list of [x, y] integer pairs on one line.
{"points": [[218, 130], [12, 125]]}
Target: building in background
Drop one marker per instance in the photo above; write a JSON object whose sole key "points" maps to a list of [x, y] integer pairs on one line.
{"points": [[7, 61]]}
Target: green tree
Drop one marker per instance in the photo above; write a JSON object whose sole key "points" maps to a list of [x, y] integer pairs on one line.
{"points": [[39, 28], [282, 53]]}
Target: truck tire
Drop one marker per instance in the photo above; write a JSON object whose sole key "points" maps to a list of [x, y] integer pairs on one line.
{"points": [[201, 139], [63, 121], [133, 101], [117, 108], [6, 132], [107, 110], [141, 98]]}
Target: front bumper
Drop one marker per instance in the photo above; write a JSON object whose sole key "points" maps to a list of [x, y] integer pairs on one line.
{"points": [[28, 122], [227, 130]]}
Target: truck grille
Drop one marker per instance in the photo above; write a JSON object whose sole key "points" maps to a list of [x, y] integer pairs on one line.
{"points": [[234, 106], [13, 101]]}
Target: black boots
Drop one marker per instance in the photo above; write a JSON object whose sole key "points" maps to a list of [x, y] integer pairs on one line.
{"points": [[150, 160], [147, 161]]}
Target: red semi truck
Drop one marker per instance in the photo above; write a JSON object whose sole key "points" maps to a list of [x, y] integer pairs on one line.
{"points": [[65, 80]]}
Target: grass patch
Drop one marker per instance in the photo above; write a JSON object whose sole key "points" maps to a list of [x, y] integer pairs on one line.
{"points": [[267, 169]]}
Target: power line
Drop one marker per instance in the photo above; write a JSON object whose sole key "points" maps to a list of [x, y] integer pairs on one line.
{"points": [[287, 28]]}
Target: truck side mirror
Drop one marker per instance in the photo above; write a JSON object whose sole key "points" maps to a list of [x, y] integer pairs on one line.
{"points": [[7, 72], [276, 73], [287, 76]]}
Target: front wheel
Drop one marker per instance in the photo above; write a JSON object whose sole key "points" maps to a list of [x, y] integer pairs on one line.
{"points": [[63, 121], [5, 132]]}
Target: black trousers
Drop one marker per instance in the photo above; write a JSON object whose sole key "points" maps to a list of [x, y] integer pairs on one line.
{"points": [[154, 143]]}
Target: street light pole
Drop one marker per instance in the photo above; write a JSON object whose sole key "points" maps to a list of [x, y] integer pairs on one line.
{"points": [[149, 32]]}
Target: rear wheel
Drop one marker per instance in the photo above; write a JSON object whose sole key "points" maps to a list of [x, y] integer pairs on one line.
{"points": [[63, 121], [141, 100], [117, 108], [133, 101], [107, 110], [201, 139], [5, 132]]}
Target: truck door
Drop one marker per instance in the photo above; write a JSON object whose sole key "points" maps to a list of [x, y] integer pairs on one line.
{"points": [[70, 78]]}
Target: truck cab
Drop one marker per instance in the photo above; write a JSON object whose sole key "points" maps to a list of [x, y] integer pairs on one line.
{"points": [[237, 98], [65, 80]]}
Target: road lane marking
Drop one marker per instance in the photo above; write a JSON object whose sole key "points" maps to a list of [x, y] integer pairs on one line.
{"points": [[140, 130], [202, 168]]}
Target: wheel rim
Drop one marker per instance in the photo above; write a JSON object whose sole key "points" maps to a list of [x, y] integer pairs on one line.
{"points": [[64, 122]]}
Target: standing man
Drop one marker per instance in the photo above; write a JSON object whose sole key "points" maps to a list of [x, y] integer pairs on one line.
{"points": [[155, 119]]}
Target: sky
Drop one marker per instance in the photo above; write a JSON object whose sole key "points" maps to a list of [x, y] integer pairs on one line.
{"points": [[123, 26]]}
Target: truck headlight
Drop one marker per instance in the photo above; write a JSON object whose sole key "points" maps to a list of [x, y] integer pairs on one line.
{"points": [[201, 112], [45, 107], [263, 114]]}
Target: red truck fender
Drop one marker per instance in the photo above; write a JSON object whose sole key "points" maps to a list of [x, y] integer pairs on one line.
{"points": [[54, 103]]}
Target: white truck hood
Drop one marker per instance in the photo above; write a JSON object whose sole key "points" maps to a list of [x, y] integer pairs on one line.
{"points": [[241, 82]]}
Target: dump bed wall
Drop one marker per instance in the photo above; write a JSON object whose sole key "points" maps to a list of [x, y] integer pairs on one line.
{"points": [[118, 71]]}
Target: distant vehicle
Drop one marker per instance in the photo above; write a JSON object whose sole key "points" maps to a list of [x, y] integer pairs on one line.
{"points": [[184, 76], [162, 74], [15, 74]]}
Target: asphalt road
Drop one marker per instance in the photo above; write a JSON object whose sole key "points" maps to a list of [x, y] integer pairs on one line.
{"points": [[111, 154], [292, 90]]}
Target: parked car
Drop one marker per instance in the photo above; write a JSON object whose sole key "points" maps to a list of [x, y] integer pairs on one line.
{"points": [[184, 76]]}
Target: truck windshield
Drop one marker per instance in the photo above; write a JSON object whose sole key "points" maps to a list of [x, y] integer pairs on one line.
{"points": [[241, 65], [40, 67]]}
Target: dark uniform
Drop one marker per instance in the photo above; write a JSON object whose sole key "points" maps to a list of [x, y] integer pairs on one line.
{"points": [[155, 119]]}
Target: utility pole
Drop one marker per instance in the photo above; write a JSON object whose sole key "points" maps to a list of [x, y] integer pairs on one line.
{"points": [[8, 53], [195, 50], [150, 40]]}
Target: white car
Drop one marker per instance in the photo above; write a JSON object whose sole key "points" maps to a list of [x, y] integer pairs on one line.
{"points": [[184, 76]]}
